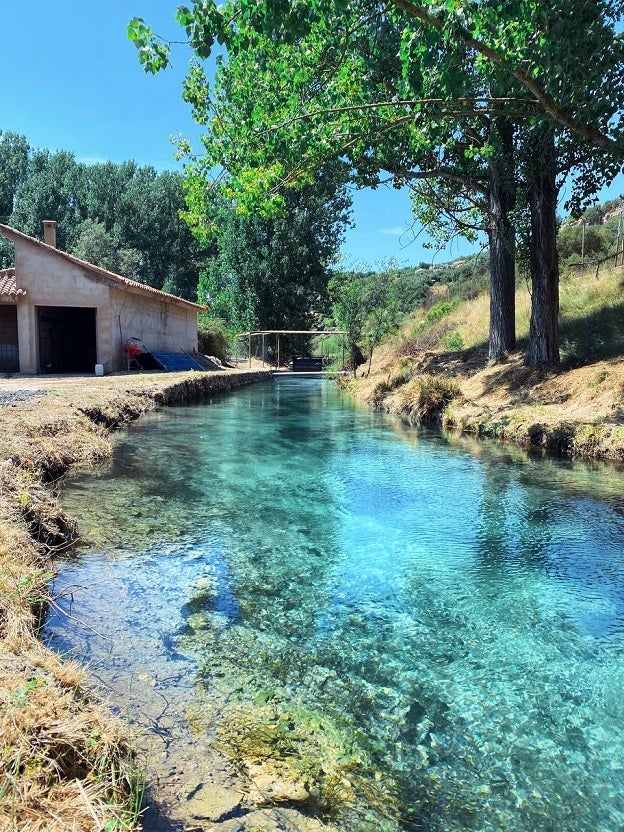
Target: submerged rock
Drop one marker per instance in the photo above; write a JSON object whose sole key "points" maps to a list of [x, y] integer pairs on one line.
{"points": [[207, 801], [234, 825], [283, 820], [270, 786]]}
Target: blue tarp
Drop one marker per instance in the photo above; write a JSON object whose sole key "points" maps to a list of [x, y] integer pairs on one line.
{"points": [[175, 361]]}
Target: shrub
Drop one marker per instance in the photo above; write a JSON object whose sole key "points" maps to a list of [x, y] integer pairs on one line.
{"points": [[439, 311], [452, 341], [570, 241], [212, 338], [396, 378], [424, 398]]}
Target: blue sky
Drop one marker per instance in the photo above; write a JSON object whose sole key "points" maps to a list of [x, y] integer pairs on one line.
{"points": [[71, 81]]}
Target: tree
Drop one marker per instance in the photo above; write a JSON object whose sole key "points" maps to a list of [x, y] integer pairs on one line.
{"points": [[323, 82], [272, 272], [348, 292], [14, 150], [367, 306], [121, 216], [95, 245], [382, 303], [51, 189], [245, 85], [475, 191]]}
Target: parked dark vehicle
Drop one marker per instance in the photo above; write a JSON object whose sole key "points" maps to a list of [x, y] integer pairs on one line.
{"points": [[307, 363]]}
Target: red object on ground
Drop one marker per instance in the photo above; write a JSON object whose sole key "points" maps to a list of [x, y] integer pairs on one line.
{"points": [[132, 349]]}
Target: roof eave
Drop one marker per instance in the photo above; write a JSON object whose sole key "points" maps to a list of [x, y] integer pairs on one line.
{"points": [[118, 281]]}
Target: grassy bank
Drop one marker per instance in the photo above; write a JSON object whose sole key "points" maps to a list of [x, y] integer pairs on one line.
{"points": [[576, 409], [65, 762]]}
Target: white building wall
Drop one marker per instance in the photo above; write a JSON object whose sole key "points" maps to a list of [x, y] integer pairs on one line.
{"points": [[53, 281], [159, 325]]}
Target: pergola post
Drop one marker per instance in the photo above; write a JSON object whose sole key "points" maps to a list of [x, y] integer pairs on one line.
{"points": [[277, 333]]}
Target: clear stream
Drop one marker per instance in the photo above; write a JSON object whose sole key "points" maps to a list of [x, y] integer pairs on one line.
{"points": [[430, 631]]}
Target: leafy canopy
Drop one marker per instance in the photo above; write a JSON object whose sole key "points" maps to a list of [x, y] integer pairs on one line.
{"points": [[301, 82]]}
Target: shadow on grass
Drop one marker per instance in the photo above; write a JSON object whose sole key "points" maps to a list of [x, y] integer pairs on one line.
{"points": [[584, 339], [593, 337]]}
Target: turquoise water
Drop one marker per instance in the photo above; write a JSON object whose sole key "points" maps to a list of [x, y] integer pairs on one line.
{"points": [[436, 626]]}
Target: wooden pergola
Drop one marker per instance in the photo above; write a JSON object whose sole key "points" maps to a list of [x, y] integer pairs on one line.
{"points": [[277, 332]]}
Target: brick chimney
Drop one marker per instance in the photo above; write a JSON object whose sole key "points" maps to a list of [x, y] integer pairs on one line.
{"points": [[49, 232]]}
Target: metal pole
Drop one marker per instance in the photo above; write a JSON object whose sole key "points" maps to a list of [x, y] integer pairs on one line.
{"points": [[249, 350], [263, 349], [583, 245], [278, 351]]}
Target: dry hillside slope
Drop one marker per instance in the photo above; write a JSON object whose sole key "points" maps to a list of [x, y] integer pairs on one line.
{"points": [[575, 409]]}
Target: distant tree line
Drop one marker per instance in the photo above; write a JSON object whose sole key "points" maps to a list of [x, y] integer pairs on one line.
{"points": [[124, 217], [254, 271]]}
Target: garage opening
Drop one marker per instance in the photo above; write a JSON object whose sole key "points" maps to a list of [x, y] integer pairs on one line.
{"points": [[67, 342], [9, 350]]}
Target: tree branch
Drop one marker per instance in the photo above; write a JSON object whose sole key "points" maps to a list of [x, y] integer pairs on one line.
{"points": [[453, 111], [549, 105], [441, 173]]}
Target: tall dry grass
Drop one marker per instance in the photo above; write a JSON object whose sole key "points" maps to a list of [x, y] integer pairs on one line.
{"points": [[591, 311], [65, 762], [424, 398]]}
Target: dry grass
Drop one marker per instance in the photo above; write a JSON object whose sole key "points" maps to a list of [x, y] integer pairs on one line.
{"points": [[577, 409], [424, 398], [65, 762]]}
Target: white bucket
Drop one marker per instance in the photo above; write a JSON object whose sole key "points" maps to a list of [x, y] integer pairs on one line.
{"points": [[99, 369]]}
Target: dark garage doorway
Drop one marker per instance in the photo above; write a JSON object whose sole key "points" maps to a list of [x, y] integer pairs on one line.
{"points": [[67, 341], [9, 350]]}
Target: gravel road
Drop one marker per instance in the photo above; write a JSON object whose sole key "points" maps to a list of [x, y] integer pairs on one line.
{"points": [[16, 396]]}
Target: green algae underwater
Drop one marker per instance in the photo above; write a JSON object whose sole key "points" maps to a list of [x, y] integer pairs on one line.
{"points": [[425, 634]]}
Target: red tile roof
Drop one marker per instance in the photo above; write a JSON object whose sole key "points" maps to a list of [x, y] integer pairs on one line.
{"points": [[110, 277], [8, 289]]}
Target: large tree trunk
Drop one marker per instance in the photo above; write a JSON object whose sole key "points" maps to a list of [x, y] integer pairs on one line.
{"points": [[543, 345], [502, 248]]}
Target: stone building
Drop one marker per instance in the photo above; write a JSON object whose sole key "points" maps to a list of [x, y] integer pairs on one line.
{"points": [[60, 314]]}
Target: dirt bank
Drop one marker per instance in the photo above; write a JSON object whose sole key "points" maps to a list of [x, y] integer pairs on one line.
{"points": [[577, 412], [65, 763]]}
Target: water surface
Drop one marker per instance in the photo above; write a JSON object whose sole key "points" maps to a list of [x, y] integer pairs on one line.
{"points": [[430, 631]]}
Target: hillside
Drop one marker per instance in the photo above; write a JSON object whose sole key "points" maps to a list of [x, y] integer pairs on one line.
{"points": [[436, 369]]}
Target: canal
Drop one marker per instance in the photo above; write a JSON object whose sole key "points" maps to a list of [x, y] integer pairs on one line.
{"points": [[417, 632]]}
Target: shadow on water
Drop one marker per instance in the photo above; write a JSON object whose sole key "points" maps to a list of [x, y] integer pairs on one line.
{"points": [[437, 626]]}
